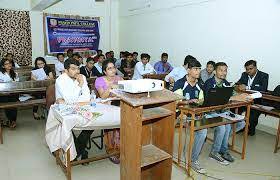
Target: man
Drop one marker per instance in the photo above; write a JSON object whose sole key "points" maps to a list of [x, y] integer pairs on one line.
{"points": [[59, 65], [87, 70], [253, 79], [135, 57], [69, 54], [189, 85], [219, 151], [99, 52], [143, 67], [71, 87], [127, 65], [208, 72], [163, 67], [97, 68], [178, 72]]}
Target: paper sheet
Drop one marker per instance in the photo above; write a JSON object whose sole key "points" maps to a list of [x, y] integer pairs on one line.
{"points": [[39, 74]]}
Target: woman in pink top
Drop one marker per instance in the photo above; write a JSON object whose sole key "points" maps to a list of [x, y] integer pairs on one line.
{"points": [[104, 85]]}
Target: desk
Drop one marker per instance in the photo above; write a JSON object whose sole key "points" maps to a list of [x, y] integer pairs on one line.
{"points": [[207, 123]]}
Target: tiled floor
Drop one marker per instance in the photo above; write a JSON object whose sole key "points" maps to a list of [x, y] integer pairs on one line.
{"points": [[25, 156]]}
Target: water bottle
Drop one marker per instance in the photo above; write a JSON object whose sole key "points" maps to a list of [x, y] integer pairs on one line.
{"points": [[92, 98]]}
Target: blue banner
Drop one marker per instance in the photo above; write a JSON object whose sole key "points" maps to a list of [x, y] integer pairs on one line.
{"points": [[77, 34]]}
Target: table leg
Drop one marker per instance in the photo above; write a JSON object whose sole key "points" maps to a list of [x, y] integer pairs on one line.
{"points": [[277, 138], [1, 134], [68, 164], [245, 134], [190, 145], [180, 138]]}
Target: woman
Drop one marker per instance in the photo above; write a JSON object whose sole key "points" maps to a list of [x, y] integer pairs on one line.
{"points": [[7, 74], [104, 85], [40, 62], [10, 57]]}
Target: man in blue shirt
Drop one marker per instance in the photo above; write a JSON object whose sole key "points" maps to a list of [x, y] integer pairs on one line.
{"points": [[163, 67], [191, 89], [219, 150]]}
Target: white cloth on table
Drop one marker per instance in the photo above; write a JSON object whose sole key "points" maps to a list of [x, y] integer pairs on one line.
{"points": [[59, 128]]}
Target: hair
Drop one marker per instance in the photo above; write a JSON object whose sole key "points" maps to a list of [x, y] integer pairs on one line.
{"points": [[218, 64], [99, 50], [188, 58], [3, 70], [39, 59], [251, 62], [70, 61], [145, 55], [89, 59], [13, 63], [69, 50], [107, 53], [76, 54], [59, 54], [128, 54], [135, 53], [98, 56], [164, 55], [105, 64], [193, 63], [211, 63]]}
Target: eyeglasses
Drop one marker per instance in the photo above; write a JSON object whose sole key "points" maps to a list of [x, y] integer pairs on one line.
{"points": [[8, 63], [111, 68]]}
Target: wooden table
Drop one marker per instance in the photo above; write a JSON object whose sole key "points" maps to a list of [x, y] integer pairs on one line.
{"points": [[208, 123]]}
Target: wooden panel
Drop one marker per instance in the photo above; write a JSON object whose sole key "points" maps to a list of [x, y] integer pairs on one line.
{"points": [[140, 99], [151, 154], [131, 148], [146, 133], [157, 112], [22, 104]]}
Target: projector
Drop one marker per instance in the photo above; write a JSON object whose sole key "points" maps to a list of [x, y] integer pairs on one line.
{"points": [[141, 85]]}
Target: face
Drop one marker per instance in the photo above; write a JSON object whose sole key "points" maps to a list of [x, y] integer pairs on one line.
{"points": [[108, 55], [9, 57], [76, 57], [145, 60], [194, 72], [101, 59], [135, 56], [73, 71], [129, 58], [99, 52], [112, 54], [7, 65], [90, 64], [69, 53], [110, 70], [164, 59], [80, 60], [61, 58], [251, 70], [40, 64], [210, 68], [221, 72]]}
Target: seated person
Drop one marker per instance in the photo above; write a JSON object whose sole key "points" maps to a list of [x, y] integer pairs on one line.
{"points": [[97, 68], [10, 57], [189, 85], [40, 62], [59, 65], [119, 61], [7, 74], [143, 67], [253, 79], [71, 87], [87, 70], [208, 72], [104, 85], [178, 72], [220, 151], [69, 54], [162, 66], [99, 52], [127, 65], [135, 57]]}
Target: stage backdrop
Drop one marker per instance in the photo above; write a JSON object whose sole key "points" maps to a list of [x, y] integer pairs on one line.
{"points": [[79, 34]]}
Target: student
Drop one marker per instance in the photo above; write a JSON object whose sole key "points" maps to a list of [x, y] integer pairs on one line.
{"points": [[253, 79], [135, 57], [119, 61], [10, 57], [208, 72], [219, 151], [104, 85], [59, 65], [7, 74], [69, 54], [189, 85], [99, 52], [108, 55], [178, 72], [71, 87], [87, 70], [113, 56], [40, 62], [127, 65], [162, 66], [143, 67], [97, 68]]}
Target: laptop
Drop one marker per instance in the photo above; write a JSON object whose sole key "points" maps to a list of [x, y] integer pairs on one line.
{"points": [[216, 96]]}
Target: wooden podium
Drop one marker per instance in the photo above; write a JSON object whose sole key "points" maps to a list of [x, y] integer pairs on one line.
{"points": [[147, 133]]}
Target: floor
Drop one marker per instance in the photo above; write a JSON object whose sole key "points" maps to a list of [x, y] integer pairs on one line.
{"points": [[25, 156]]}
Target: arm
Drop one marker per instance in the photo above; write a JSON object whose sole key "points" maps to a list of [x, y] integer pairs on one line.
{"points": [[84, 91], [170, 77], [50, 76], [264, 83], [33, 78]]}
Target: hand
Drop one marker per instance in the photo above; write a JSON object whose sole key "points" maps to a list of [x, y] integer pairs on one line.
{"points": [[241, 97], [241, 87], [193, 101], [60, 101], [113, 86], [80, 79], [171, 80]]}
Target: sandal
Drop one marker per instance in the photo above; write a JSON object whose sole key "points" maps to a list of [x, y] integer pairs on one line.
{"points": [[13, 125], [114, 159]]}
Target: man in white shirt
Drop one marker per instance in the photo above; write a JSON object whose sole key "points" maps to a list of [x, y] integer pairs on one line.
{"points": [[143, 67], [59, 65], [178, 72], [71, 87]]}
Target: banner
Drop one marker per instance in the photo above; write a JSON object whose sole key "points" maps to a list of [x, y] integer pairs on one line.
{"points": [[77, 34]]}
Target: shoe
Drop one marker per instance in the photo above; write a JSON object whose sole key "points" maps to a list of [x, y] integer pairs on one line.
{"points": [[227, 157], [84, 156], [114, 159], [197, 168], [36, 116], [251, 132], [218, 158]]}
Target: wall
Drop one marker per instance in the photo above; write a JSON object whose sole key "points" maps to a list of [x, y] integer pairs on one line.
{"points": [[222, 30]]}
